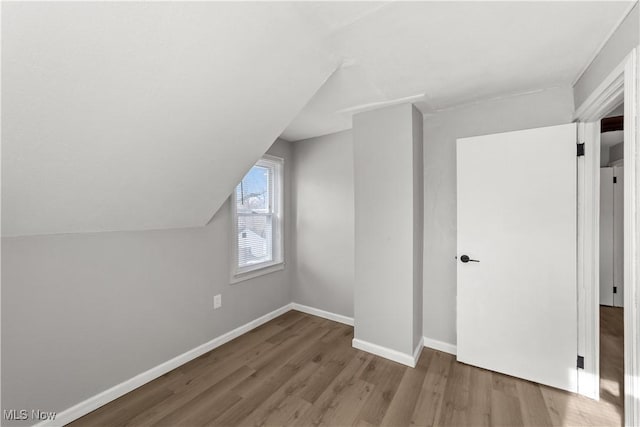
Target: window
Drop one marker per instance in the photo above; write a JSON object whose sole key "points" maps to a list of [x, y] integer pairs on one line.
{"points": [[257, 220]]}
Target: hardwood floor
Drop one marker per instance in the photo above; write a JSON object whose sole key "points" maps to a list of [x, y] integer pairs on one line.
{"points": [[301, 370], [612, 355]]}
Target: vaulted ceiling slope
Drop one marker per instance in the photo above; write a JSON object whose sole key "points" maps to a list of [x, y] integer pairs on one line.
{"points": [[443, 54], [145, 115]]}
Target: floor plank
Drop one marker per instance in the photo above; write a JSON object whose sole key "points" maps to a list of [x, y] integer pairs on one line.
{"points": [[429, 403], [402, 405], [301, 370], [386, 386]]}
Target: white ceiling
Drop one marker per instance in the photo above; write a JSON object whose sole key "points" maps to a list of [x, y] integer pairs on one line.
{"points": [[145, 115], [453, 53]]}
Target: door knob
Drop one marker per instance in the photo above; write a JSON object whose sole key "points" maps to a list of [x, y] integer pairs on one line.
{"points": [[465, 259]]}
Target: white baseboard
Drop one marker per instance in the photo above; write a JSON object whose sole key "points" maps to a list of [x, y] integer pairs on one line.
{"points": [[387, 353], [100, 399], [418, 351], [440, 345], [118, 390], [322, 313]]}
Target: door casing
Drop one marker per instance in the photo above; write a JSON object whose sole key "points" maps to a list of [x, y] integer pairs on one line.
{"points": [[621, 85]]}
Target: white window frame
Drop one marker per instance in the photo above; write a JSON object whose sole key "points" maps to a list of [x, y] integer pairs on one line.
{"points": [[238, 274]]}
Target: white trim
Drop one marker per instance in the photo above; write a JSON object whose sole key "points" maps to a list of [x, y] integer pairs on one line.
{"points": [[588, 257], [252, 274], [381, 104], [387, 353], [608, 95], [440, 345], [418, 351], [322, 313], [631, 243], [109, 395], [276, 208], [620, 85], [100, 399], [595, 54]]}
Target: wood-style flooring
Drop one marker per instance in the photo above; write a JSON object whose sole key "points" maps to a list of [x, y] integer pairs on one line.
{"points": [[300, 370], [612, 356]]}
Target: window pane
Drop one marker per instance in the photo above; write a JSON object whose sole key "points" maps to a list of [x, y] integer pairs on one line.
{"points": [[252, 194], [255, 239]]}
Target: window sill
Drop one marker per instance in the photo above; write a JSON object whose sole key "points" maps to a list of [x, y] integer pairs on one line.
{"points": [[241, 277]]}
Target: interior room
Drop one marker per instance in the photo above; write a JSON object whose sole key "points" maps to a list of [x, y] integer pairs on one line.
{"points": [[320, 213]]}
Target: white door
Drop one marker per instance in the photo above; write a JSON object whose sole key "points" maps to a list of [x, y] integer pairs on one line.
{"points": [[606, 236], [517, 306], [612, 236], [618, 236]]}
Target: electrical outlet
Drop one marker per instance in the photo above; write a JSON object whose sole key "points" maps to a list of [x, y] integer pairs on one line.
{"points": [[217, 301]]}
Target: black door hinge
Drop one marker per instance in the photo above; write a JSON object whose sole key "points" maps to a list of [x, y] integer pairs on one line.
{"points": [[615, 179], [615, 289], [580, 149], [581, 362]]}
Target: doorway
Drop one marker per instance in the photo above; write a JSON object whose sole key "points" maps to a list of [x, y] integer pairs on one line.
{"points": [[612, 259], [620, 86]]}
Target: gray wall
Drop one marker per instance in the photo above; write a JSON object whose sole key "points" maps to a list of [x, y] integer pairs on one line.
{"points": [[616, 152], [84, 312], [384, 227], [626, 37], [604, 155], [324, 221], [544, 108]]}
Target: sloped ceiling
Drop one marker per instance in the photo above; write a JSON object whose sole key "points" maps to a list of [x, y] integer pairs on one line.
{"points": [[442, 54], [145, 115], [130, 116]]}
